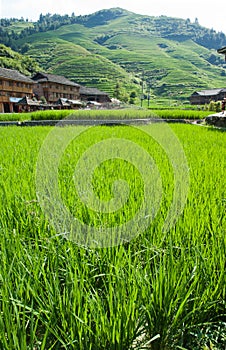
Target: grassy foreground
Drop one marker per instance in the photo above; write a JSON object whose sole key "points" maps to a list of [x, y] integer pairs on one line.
{"points": [[106, 114], [158, 291]]}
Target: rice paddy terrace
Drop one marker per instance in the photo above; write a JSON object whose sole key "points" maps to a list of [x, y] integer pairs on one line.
{"points": [[169, 56]]}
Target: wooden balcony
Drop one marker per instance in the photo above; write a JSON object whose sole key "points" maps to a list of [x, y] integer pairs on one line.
{"points": [[4, 99], [16, 89]]}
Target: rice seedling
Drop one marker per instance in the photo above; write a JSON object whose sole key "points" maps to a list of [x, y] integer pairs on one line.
{"points": [[156, 291], [126, 113]]}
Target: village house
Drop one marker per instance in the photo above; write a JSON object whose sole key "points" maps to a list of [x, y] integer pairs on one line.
{"points": [[206, 96], [13, 86], [64, 103], [52, 87], [44, 91], [93, 95], [222, 51]]}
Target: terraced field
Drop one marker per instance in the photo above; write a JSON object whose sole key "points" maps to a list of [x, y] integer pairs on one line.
{"points": [[109, 47]]}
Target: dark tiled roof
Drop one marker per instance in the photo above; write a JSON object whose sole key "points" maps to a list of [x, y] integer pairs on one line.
{"points": [[28, 101], [14, 75], [44, 77], [210, 92], [222, 50], [66, 102], [91, 91]]}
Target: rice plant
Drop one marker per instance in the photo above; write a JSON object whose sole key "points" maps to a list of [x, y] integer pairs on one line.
{"points": [[156, 291], [121, 114]]}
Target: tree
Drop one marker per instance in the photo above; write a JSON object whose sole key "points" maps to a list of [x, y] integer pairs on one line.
{"points": [[25, 48], [133, 94], [41, 18], [120, 93], [132, 97], [116, 92], [43, 99]]}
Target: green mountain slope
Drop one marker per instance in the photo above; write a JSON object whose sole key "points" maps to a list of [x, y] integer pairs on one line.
{"points": [[14, 60], [74, 61], [168, 56]]}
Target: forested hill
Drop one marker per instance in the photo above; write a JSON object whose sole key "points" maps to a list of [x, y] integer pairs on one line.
{"points": [[166, 27], [119, 50], [14, 60]]}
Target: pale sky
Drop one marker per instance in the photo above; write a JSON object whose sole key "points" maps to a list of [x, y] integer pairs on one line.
{"points": [[209, 15]]}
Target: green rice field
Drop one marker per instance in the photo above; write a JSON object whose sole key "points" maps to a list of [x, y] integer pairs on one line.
{"points": [[127, 113], [155, 289]]}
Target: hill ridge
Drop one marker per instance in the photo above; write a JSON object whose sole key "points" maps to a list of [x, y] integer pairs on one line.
{"points": [[119, 52]]}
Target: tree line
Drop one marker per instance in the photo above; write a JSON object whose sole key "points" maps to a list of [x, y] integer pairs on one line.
{"points": [[171, 28]]}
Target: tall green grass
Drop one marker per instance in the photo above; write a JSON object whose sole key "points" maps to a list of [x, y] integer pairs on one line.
{"points": [[127, 113], [156, 292], [14, 117]]}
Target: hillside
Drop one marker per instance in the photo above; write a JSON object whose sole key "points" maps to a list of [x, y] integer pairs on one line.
{"points": [[116, 49], [14, 60]]}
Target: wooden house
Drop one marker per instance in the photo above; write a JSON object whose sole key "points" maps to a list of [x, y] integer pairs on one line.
{"points": [[52, 87], [88, 94], [13, 86], [64, 103], [206, 96], [222, 51], [27, 104]]}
